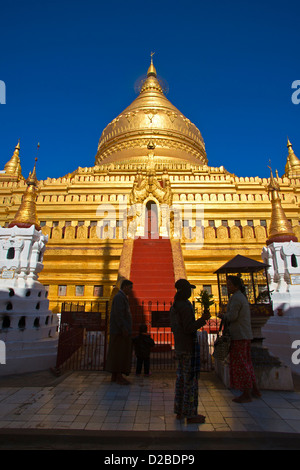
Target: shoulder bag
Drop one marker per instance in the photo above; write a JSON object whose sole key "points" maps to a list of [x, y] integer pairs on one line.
{"points": [[222, 343]]}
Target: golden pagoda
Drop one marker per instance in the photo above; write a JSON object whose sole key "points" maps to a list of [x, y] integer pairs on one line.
{"points": [[12, 170], [26, 216], [150, 161], [280, 229], [292, 167]]}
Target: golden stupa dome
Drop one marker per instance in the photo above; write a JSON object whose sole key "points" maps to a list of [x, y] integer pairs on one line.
{"points": [[151, 121]]}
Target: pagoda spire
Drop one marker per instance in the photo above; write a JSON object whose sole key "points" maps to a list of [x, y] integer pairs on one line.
{"points": [[26, 215], [292, 167], [152, 69], [13, 166], [280, 229], [151, 84]]}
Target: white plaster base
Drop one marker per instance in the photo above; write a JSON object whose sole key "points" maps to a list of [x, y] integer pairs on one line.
{"points": [[22, 357], [268, 378], [280, 333], [274, 378]]}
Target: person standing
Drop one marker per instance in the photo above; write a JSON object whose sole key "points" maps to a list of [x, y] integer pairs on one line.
{"points": [[120, 343], [184, 327], [142, 345], [238, 318]]}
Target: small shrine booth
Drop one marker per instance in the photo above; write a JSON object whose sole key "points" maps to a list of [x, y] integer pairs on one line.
{"points": [[270, 372], [253, 275]]}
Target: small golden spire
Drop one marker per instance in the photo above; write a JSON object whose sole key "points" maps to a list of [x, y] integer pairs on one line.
{"points": [[292, 167], [151, 84], [273, 185], [294, 161], [26, 216], [280, 229], [32, 179], [151, 69], [13, 166]]}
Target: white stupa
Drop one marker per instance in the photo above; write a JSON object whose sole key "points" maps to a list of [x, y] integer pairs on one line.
{"points": [[28, 329], [282, 254]]}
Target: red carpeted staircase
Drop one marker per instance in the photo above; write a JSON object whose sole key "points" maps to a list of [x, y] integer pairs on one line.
{"points": [[152, 274], [152, 271]]}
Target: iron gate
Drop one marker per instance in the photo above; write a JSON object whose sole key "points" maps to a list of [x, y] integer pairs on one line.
{"points": [[82, 343], [84, 336]]}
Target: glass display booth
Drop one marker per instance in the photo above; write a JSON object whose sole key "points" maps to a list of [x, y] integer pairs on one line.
{"points": [[254, 276]]}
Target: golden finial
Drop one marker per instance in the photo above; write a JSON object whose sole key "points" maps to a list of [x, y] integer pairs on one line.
{"points": [[151, 69], [151, 84], [280, 229], [273, 185], [32, 179], [26, 215]]}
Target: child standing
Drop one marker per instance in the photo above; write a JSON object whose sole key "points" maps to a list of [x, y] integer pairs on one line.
{"points": [[142, 345]]}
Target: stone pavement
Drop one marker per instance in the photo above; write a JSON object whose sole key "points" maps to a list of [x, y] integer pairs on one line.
{"points": [[85, 409]]}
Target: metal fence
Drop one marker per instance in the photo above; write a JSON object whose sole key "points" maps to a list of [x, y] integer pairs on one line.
{"points": [[84, 336], [82, 343]]}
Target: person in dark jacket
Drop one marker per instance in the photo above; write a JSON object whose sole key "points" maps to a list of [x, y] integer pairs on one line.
{"points": [[184, 328], [142, 345], [120, 342]]}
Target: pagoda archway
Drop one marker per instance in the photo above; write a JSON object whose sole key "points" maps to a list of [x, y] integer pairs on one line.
{"points": [[151, 220]]}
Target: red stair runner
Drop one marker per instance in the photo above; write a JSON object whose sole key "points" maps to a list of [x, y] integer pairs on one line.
{"points": [[152, 271], [152, 274]]}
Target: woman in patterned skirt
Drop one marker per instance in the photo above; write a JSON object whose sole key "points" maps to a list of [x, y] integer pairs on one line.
{"points": [[184, 327], [238, 318]]}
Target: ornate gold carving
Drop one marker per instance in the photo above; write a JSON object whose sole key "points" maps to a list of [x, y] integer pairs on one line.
{"points": [[209, 233], [260, 232], [150, 113], [148, 186], [70, 233], [235, 232], [172, 115], [248, 231], [222, 232], [56, 233], [82, 232], [129, 116]]}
